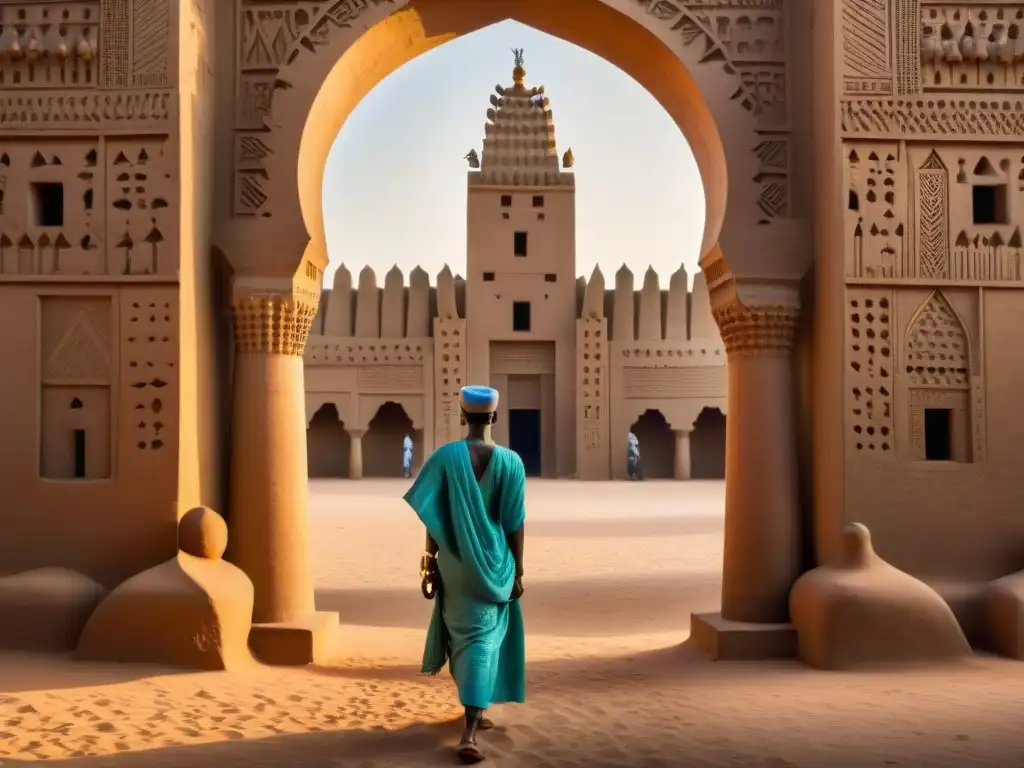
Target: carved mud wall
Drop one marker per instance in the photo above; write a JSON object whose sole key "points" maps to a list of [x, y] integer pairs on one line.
{"points": [[934, 201], [665, 354], [367, 348], [89, 256], [748, 40], [374, 346]]}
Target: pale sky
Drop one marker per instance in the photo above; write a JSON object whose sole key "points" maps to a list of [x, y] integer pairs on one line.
{"points": [[395, 182]]}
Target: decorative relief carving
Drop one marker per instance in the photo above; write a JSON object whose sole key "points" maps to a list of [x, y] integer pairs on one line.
{"points": [[75, 340], [114, 41], [325, 350], [867, 60], [20, 112], [393, 379], [149, 363], [272, 325], [270, 35], [151, 37], [267, 32], [141, 224], [748, 37], [869, 376], [522, 357], [135, 40], [674, 382], [937, 352], [49, 46], [592, 379], [766, 330], [874, 211], [906, 15], [932, 182], [449, 377], [773, 177], [52, 195], [972, 48], [933, 118]]}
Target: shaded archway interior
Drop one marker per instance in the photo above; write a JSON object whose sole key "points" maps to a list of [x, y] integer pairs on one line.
{"points": [[658, 445], [328, 443], [591, 24]]}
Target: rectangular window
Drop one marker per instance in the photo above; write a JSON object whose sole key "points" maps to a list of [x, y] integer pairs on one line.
{"points": [[506, 201], [48, 204], [79, 453], [520, 315], [519, 244], [938, 434], [989, 204], [538, 201], [550, 277], [488, 277]]}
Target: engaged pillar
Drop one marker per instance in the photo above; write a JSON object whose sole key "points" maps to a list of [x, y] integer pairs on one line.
{"points": [[355, 454], [269, 533], [682, 454], [762, 516]]}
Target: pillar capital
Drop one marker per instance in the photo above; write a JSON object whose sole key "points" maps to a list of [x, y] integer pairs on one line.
{"points": [[272, 324], [764, 330]]}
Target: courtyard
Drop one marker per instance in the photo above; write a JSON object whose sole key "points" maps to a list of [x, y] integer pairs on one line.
{"points": [[613, 571]]}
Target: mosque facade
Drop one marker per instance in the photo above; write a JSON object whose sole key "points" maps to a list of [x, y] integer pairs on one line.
{"points": [[579, 365]]}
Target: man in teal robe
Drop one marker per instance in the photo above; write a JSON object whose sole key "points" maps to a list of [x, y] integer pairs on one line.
{"points": [[470, 496]]}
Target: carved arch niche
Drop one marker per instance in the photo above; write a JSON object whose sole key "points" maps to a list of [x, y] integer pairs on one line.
{"points": [[941, 386]]}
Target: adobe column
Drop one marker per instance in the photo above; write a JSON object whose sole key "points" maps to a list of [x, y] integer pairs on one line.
{"points": [[269, 516], [355, 454], [682, 463], [762, 514]]}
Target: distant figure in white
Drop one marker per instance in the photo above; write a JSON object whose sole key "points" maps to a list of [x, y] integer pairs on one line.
{"points": [[633, 458], [407, 456]]}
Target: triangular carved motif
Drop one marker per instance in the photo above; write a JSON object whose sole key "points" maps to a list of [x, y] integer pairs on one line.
{"points": [[80, 355], [933, 163]]}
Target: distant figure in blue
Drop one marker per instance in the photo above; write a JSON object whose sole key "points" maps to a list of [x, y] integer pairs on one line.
{"points": [[636, 472], [470, 496], [407, 455]]}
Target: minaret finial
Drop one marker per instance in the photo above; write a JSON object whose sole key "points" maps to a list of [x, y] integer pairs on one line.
{"points": [[518, 73]]}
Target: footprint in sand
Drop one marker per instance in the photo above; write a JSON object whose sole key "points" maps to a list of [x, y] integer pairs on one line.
{"points": [[233, 735], [105, 727]]}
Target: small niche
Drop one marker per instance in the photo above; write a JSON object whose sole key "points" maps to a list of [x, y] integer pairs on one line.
{"points": [[989, 203], [48, 204]]}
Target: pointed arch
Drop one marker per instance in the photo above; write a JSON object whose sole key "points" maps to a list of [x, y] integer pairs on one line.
{"points": [[937, 348]]}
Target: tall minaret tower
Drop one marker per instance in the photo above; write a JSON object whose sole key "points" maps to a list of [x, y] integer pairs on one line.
{"points": [[521, 276]]}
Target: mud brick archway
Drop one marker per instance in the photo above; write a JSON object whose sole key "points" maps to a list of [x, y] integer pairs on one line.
{"points": [[718, 69]]}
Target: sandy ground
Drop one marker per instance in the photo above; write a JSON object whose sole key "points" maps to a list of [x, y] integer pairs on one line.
{"points": [[613, 571]]}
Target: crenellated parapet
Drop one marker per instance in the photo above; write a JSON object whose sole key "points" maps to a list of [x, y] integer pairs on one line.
{"points": [[651, 314], [395, 311], [664, 353]]}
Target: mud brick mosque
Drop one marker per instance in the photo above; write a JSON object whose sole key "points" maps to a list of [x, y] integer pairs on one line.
{"points": [[171, 358], [578, 366]]}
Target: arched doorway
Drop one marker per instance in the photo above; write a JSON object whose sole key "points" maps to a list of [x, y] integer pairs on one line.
{"points": [[657, 445], [382, 444], [707, 71], [327, 443], [707, 446]]}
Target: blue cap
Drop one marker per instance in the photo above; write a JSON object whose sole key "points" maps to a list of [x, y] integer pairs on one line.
{"points": [[478, 399]]}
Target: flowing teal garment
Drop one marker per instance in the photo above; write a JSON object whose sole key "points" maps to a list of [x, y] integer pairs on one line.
{"points": [[476, 627]]}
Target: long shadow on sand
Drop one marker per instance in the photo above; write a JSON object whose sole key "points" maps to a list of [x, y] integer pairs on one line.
{"points": [[632, 528], [421, 746], [573, 608]]}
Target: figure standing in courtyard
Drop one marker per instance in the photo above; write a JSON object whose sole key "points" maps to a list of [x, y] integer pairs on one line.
{"points": [[407, 456], [470, 495], [633, 467]]}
